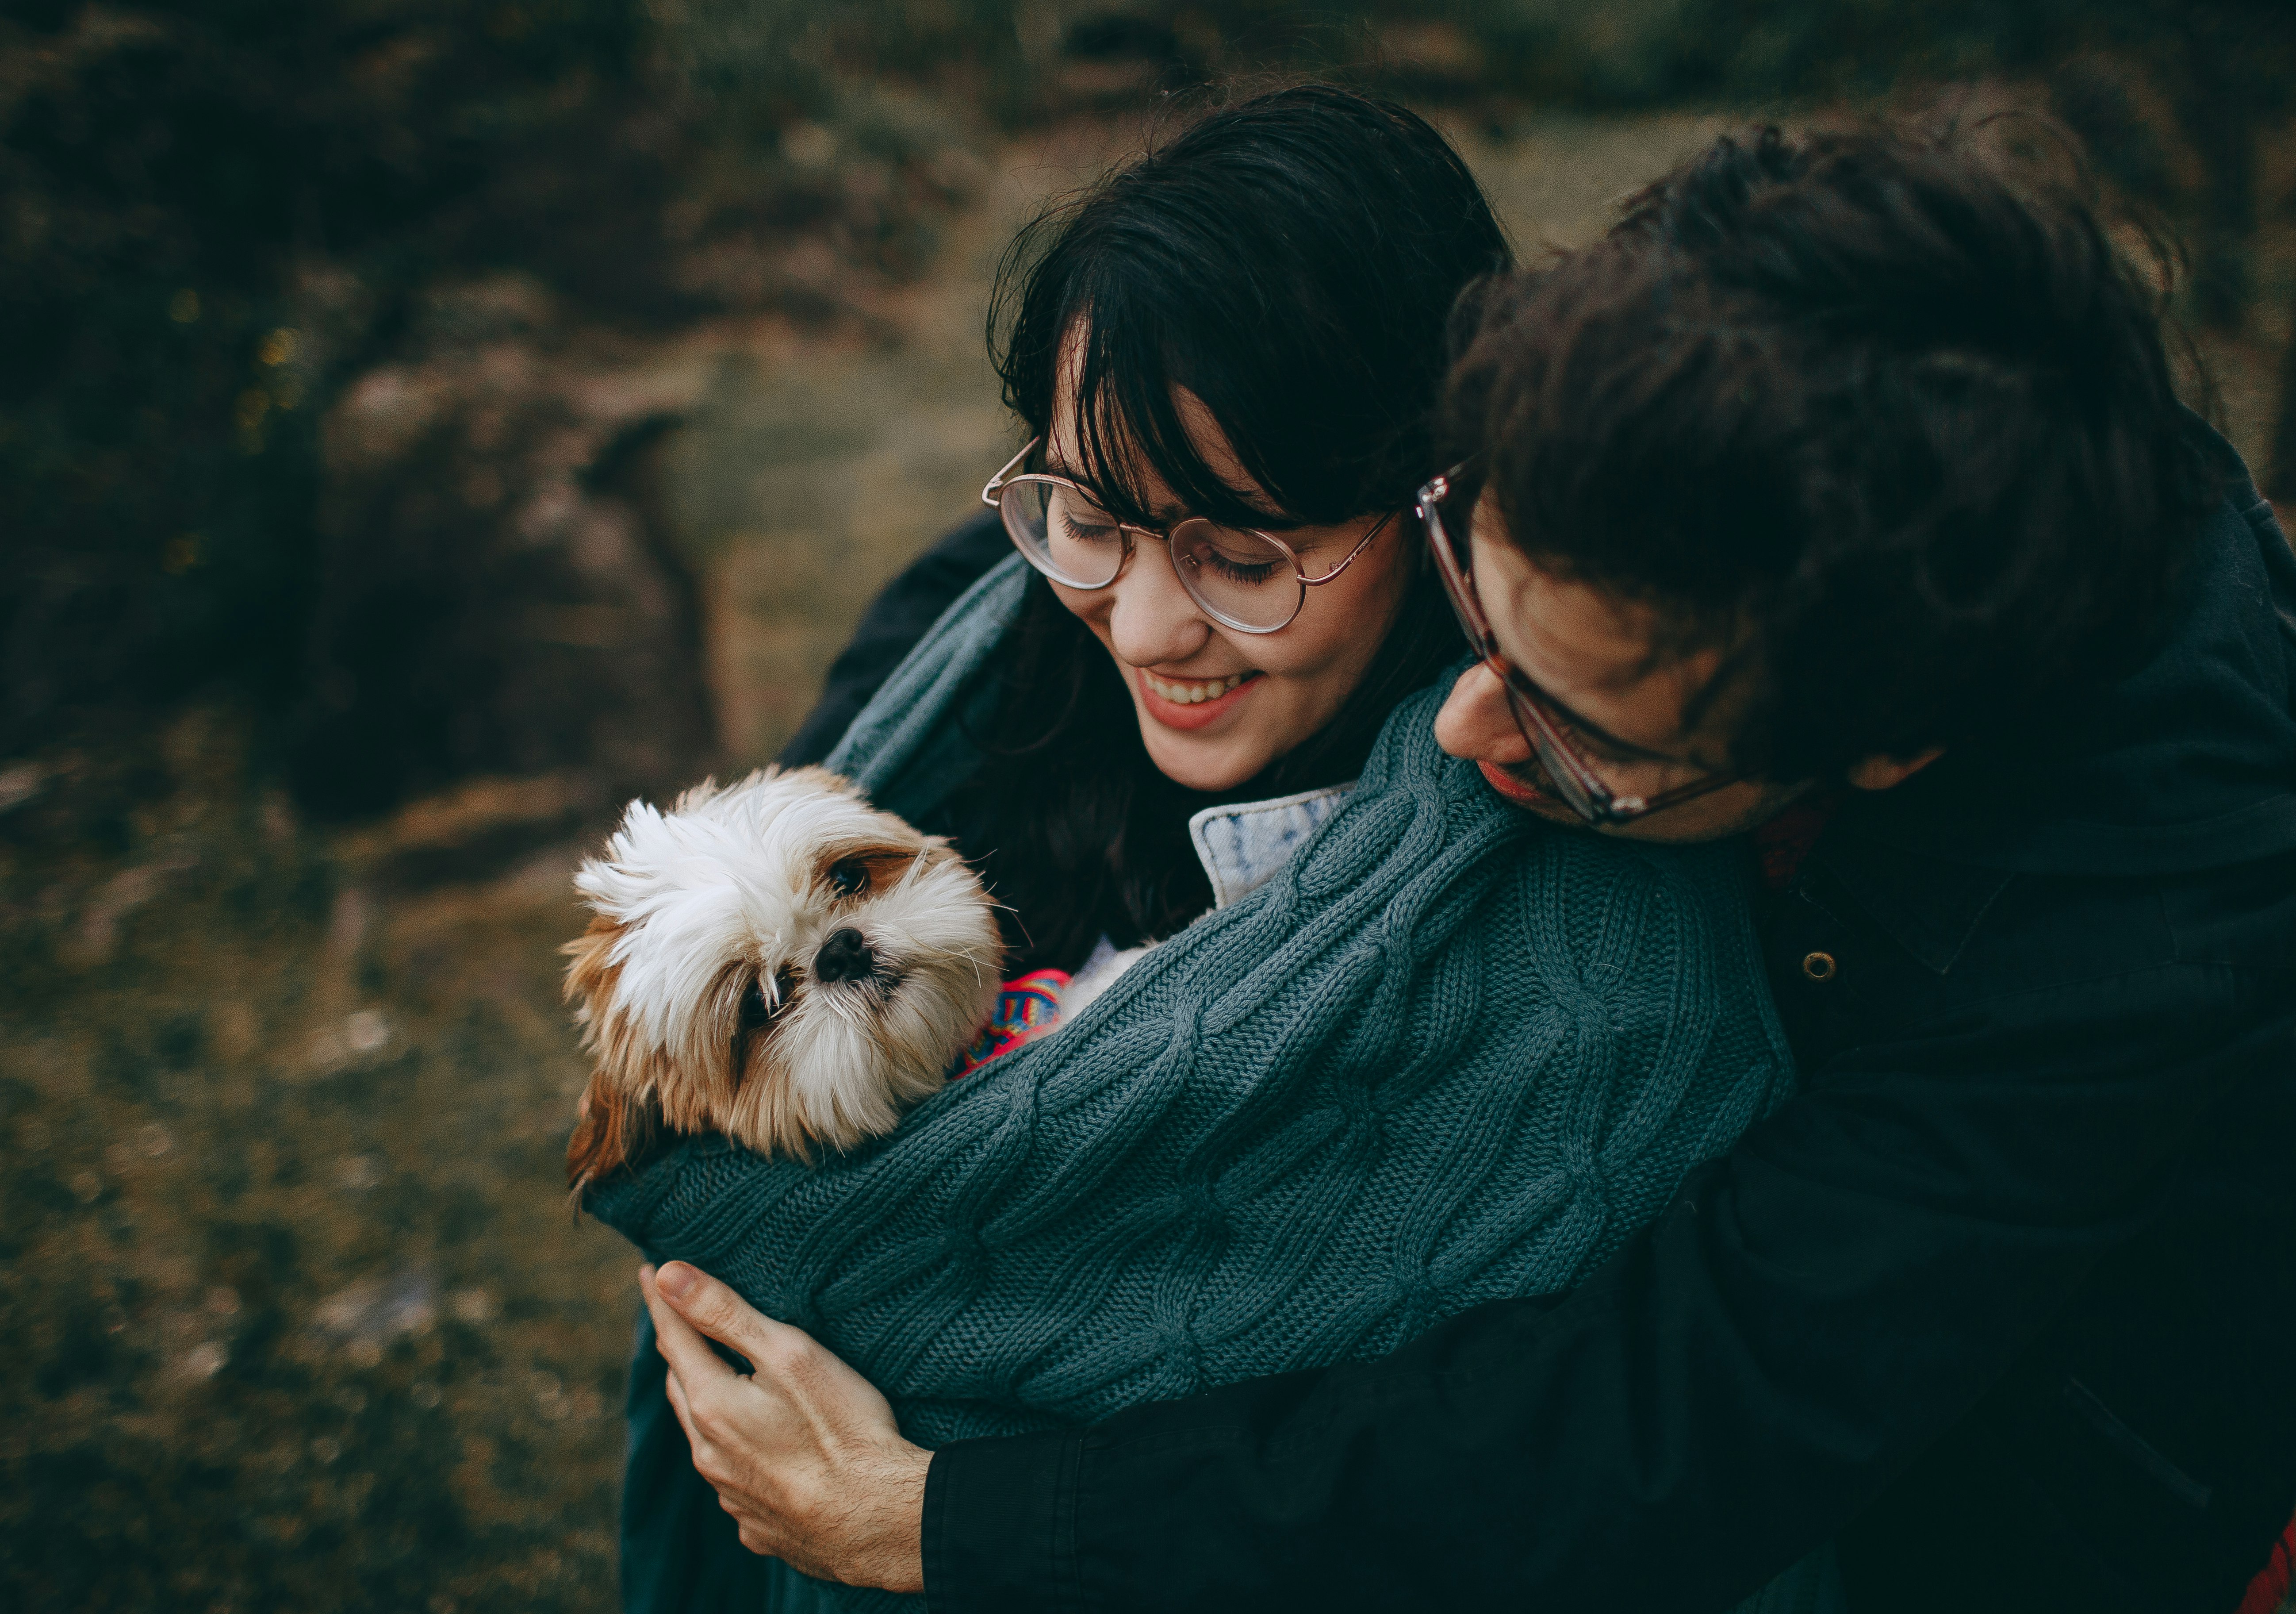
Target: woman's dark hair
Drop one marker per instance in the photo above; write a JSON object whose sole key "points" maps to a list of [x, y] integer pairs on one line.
{"points": [[1291, 259], [1881, 413]]}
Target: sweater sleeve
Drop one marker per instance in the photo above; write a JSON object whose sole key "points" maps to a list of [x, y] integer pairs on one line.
{"points": [[1724, 1393]]}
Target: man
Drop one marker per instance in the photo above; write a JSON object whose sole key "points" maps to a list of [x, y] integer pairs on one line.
{"points": [[1839, 500]]}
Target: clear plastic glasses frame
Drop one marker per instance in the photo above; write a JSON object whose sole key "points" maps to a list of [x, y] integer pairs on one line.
{"points": [[1581, 788], [1191, 542]]}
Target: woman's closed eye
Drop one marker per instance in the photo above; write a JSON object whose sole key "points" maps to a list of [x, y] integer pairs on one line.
{"points": [[1094, 533], [1076, 522], [1245, 573], [1243, 559]]}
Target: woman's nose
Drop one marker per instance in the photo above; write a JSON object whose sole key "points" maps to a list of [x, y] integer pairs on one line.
{"points": [[1476, 723], [1152, 622]]}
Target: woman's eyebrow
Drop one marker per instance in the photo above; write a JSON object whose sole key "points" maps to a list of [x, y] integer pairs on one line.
{"points": [[1059, 467], [1172, 513], [1053, 467]]}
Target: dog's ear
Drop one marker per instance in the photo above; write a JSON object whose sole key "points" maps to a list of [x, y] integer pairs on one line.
{"points": [[637, 1089], [614, 1131], [591, 976], [614, 1116], [592, 979]]}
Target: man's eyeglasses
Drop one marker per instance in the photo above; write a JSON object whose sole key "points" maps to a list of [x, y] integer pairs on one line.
{"points": [[1241, 577], [1580, 786]]}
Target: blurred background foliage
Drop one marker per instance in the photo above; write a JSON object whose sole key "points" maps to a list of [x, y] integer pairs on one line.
{"points": [[219, 214], [424, 422]]}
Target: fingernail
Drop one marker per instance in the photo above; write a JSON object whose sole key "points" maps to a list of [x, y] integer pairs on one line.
{"points": [[675, 1278]]}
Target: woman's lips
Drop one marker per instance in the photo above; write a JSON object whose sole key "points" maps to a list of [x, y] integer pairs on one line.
{"points": [[1190, 713]]}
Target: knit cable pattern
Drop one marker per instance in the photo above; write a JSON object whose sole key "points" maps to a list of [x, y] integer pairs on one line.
{"points": [[1448, 1054]]}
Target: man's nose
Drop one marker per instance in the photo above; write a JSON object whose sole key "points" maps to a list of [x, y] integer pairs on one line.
{"points": [[1151, 620], [1475, 723]]}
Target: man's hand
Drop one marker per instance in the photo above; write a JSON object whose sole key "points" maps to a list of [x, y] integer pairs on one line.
{"points": [[804, 1453]]}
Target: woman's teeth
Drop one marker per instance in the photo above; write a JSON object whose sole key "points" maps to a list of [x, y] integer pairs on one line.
{"points": [[1182, 692]]}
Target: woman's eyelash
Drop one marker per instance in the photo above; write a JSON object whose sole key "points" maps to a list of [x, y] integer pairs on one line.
{"points": [[1256, 573]]}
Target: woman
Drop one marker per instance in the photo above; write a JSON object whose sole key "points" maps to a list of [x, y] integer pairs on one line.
{"points": [[1245, 329], [1391, 1075]]}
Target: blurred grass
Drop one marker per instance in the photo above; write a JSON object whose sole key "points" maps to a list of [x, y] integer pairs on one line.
{"points": [[298, 1315]]}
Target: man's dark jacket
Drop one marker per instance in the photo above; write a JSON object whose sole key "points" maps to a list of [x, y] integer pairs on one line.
{"points": [[2004, 1301]]}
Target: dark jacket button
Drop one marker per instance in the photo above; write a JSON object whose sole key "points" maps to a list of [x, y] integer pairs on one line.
{"points": [[1818, 966]]}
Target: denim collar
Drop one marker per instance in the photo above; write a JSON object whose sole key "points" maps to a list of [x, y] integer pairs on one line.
{"points": [[1242, 846]]}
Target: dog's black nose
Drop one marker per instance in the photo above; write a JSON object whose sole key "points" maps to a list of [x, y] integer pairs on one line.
{"points": [[844, 957]]}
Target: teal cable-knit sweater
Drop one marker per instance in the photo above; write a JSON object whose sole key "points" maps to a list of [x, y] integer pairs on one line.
{"points": [[1448, 1054]]}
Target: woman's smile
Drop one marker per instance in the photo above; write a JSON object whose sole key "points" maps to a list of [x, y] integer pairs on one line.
{"points": [[1192, 703]]}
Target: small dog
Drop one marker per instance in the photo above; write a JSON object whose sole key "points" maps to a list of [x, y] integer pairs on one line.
{"points": [[775, 960]]}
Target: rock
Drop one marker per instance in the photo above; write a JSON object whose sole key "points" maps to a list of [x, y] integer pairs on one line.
{"points": [[496, 594]]}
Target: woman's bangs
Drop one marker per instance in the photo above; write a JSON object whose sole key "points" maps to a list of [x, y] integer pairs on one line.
{"points": [[1129, 428]]}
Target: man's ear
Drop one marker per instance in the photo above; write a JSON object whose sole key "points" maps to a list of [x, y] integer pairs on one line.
{"points": [[1883, 772]]}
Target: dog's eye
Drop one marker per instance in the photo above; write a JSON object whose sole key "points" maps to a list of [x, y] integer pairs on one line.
{"points": [[849, 877], [757, 1007]]}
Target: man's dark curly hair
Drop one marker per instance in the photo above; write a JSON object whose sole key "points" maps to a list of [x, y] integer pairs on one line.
{"points": [[1881, 414]]}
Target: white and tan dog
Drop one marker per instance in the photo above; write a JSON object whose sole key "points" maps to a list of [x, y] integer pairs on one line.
{"points": [[776, 961]]}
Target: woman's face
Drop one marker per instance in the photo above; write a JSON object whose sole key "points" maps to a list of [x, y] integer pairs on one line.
{"points": [[1216, 706]]}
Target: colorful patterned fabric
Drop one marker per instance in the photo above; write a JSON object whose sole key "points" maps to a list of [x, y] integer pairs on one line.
{"points": [[1024, 1008]]}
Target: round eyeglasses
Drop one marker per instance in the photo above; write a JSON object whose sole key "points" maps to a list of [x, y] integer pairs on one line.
{"points": [[1240, 577], [1576, 782]]}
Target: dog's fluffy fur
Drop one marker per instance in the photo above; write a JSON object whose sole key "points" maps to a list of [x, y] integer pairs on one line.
{"points": [[776, 961]]}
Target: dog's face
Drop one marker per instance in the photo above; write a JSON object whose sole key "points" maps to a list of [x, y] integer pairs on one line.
{"points": [[775, 960]]}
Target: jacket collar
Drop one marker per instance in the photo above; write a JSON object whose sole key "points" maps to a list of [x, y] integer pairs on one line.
{"points": [[1242, 846]]}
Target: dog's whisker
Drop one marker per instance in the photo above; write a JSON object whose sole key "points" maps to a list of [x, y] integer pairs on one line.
{"points": [[913, 872], [855, 1009]]}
